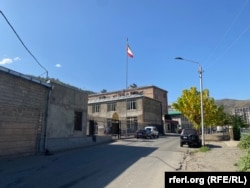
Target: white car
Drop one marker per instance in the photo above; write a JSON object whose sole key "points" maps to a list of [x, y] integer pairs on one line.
{"points": [[153, 130]]}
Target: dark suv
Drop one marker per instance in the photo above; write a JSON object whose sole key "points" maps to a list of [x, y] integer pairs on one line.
{"points": [[142, 133], [190, 137]]}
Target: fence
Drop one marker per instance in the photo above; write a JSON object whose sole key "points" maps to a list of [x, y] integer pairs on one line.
{"points": [[244, 131]]}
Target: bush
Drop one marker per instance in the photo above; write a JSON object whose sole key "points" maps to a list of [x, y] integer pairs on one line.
{"points": [[244, 141], [244, 162]]}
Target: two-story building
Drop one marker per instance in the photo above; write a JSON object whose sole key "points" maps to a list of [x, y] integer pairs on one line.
{"points": [[132, 109]]}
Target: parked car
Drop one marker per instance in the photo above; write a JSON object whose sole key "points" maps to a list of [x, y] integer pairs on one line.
{"points": [[142, 133], [154, 131], [190, 137]]}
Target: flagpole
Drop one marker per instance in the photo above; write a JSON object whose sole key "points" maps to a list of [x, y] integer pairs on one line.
{"points": [[126, 126], [127, 65]]}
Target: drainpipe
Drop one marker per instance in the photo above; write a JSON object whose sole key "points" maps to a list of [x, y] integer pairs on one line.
{"points": [[45, 149]]}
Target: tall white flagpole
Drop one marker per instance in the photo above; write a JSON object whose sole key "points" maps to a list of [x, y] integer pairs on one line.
{"points": [[126, 125], [127, 65]]}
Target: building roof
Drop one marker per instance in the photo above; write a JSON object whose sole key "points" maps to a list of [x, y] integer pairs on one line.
{"points": [[174, 112], [26, 77], [129, 89], [92, 101]]}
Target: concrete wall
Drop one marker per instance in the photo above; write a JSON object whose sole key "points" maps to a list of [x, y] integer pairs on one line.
{"points": [[152, 111], [35, 116], [64, 101], [22, 113]]}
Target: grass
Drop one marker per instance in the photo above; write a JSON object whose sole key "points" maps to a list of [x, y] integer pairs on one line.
{"points": [[201, 149], [204, 149]]}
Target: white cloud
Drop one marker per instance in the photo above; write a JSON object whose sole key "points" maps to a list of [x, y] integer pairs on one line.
{"points": [[17, 59], [58, 65], [6, 61]]}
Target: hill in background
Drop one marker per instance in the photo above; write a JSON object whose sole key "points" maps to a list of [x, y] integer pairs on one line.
{"points": [[231, 104]]}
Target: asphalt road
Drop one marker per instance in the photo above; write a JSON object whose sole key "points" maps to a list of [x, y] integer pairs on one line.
{"points": [[124, 163]]}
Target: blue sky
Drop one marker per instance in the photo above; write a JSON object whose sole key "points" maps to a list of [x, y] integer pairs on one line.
{"points": [[83, 43]]}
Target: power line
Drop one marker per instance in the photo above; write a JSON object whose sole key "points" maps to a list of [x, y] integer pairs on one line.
{"points": [[237, 39], [227, 31], [24, 44]]}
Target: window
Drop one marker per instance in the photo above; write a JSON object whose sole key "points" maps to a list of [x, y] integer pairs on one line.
{"points": [[132, 124], [78, 121], [111, 106], [109, 122], [131, 105], [95, 108]]}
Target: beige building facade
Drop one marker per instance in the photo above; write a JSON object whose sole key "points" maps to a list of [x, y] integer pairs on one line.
{"points": [[147, 91], [133, 109]]}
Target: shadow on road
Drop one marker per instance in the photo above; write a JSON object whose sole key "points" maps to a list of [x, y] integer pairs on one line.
{"points": [[95, 166]]}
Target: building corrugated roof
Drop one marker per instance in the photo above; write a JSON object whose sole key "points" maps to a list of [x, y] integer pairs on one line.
{"points": [[174, 112]]}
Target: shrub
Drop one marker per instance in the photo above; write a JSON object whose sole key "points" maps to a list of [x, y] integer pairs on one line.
{"points": [[244, 141], [244, 162]]}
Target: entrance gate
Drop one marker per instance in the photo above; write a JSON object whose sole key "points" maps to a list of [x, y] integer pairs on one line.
{"points": [[116, 126]]}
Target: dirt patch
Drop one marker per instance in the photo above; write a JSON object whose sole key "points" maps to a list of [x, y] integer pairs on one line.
{"points": [[223, 156]]}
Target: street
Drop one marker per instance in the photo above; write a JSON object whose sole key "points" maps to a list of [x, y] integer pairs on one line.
{"points": [[124, 163]]}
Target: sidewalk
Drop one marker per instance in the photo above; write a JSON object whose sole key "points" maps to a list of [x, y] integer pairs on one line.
{"points": [[231, 143], [223, 156]]}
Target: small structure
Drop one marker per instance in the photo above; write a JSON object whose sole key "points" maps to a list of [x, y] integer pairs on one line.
{"points": [[175, 121]]}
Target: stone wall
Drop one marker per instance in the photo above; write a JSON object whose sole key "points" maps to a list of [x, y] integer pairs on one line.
{"points": [[22, 113]]}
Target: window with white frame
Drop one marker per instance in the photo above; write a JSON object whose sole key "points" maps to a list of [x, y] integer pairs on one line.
{"points": [[132, 124], [95, 108], [111, 106], [131, 104]]}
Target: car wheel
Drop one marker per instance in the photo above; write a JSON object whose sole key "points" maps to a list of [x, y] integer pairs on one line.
{"points": [[181, 144]]}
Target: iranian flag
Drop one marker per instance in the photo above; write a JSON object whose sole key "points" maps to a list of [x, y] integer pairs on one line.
{"points": [[129, 51]]}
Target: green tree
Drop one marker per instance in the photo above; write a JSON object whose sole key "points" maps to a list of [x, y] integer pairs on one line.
{"points": [[189, 104], [237, 122], [214, 114]]}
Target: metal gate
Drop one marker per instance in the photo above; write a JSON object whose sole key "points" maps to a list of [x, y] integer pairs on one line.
{"points": [[116, 128]]}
